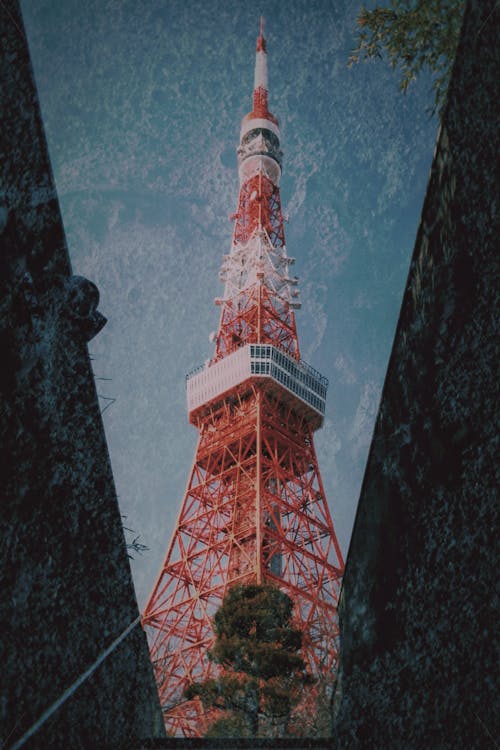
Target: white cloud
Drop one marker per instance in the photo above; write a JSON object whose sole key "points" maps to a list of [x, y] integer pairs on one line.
{"points": [[360, 433]]}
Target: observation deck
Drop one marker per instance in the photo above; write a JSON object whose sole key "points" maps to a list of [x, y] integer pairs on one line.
{"points": [[294, 380]]}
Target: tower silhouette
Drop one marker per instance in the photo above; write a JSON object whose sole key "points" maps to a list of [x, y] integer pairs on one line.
{"points": [[255, 509]]}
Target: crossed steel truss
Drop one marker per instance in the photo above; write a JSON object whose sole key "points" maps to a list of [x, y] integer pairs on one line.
{"points": [[254, 510]]}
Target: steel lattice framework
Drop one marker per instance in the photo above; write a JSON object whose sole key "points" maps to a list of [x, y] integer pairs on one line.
{"points": [[255, 508]]}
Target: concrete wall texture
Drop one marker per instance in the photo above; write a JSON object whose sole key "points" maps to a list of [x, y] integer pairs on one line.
{"points": [[66, 586], [419, 602]]}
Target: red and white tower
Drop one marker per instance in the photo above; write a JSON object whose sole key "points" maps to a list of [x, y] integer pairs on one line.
{"points": [[255, 508]]}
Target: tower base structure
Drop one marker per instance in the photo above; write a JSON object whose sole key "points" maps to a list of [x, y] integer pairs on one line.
{"points": [[254, 512]]}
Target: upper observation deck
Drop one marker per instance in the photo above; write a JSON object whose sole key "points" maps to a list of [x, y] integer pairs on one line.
{"points": [[296, 381]]}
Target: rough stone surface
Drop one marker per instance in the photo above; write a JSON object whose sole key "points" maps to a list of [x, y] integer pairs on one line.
{"points": [[419, 604], [201, 743], [66, 587]]}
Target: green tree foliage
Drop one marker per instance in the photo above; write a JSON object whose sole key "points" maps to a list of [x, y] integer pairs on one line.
{"points": [[414, 34], [263, 672]]}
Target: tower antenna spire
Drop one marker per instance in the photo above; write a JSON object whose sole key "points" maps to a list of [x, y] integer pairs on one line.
{"points": [[260, 107]]}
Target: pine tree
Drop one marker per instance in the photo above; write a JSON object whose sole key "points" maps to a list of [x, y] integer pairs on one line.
{"points": [[263, 673]]}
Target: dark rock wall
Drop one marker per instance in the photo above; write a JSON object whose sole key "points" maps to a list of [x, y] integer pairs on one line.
{"points": [[419, 602], [66, 589]]}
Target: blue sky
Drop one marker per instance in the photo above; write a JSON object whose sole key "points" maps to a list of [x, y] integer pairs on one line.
{"points": [[142, 103]]}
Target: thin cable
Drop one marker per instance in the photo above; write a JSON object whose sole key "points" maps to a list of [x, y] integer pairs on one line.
{"points": [[12, 18], [76, 684], [487, 18]]}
